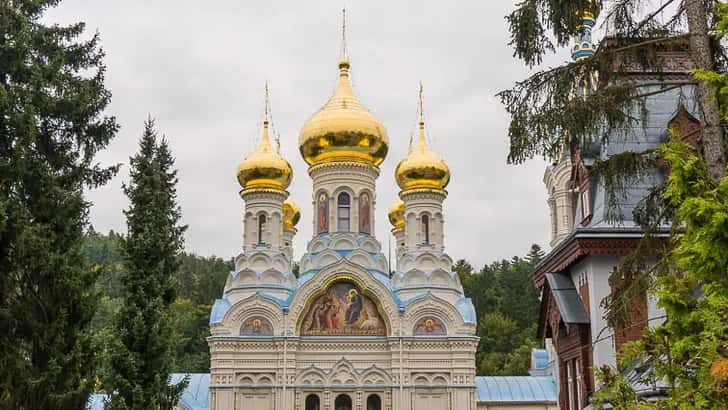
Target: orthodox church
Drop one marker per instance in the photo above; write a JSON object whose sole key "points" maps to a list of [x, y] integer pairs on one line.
{"points": [[345, 332]]}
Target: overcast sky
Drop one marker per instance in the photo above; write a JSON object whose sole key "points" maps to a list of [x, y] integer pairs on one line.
{"points": [[199, 68]]}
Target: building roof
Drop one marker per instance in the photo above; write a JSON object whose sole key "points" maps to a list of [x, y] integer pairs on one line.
{"points": [[195, 397], [515, 389], [567, 299]]}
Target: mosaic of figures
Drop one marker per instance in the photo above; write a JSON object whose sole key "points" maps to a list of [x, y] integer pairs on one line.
{"points": [[343, 310], [256, 326], [429, 326]]}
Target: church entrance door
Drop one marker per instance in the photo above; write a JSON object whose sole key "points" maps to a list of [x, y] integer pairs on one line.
{"points": [[343, 402]]}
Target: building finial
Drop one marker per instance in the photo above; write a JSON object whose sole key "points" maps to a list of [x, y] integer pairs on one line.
{"points": [[420, 107], [344, 51], [266, 103]]}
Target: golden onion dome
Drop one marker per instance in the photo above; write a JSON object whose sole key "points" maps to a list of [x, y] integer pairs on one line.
{"points": [[291, 214], [396, 214], [422, 168], [343, 130], [265, 168]]}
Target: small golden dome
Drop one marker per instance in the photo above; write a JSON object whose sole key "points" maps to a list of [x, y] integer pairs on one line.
{"points": [[343, 130], [265, 168], [396, 214], [422, 168], [291, 214]]}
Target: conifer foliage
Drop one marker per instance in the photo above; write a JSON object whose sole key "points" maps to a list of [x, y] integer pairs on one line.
{"points": [[141, 356], [52, 97]]}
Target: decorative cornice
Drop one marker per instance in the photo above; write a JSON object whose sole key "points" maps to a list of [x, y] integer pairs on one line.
{"points": [[339, 165]]}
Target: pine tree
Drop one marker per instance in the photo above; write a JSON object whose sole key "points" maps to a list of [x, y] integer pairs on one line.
{"points": [[535, 255], [52, 97], [142, 357]]}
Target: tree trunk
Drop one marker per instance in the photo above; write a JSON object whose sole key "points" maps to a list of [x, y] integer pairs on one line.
{"points": [[709, 115]]}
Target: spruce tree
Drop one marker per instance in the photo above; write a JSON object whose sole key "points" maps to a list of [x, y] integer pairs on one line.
{"points": [[52, 97], [141, 356]]}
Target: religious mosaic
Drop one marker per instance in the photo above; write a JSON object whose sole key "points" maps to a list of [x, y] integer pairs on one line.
{"points": [[343, 310], [429, 326], [256, 326]]}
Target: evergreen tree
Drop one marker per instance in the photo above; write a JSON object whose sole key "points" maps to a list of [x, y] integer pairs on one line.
{"points": [[52, 96], [142, 356]]}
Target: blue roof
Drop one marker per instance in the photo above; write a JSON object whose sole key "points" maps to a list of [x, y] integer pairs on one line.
{"points": [[515, 389], [197, 394], [219, 309], [195, 397]]}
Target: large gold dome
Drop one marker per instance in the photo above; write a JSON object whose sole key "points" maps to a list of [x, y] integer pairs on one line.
{"points": [[265, 168], [343, 130], [396, 214], [422, 168], [291, 214]]}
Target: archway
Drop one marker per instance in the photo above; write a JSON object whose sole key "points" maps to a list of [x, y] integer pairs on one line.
{"points": [[343, 402], [313, 402], [374, 402]]}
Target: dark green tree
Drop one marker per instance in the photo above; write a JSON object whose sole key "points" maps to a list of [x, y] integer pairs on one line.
{"points": [[52, 97], [142, 351]]}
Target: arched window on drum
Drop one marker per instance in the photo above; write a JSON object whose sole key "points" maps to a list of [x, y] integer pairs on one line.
{"points": [[425, 229], [261, 228], [343, 212]]}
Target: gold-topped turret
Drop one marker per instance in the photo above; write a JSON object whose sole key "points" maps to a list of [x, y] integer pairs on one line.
{"points": [[265, 168], [422, 168], [396, 215], [343, 130], [291, 214]]}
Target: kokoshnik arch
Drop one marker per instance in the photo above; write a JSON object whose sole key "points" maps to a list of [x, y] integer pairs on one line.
{"points": [[346, 333]]}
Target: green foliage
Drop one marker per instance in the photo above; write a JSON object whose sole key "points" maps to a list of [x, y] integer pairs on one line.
{"points": [[507, 300], [141, 353], [52, 97], [199, 282]]}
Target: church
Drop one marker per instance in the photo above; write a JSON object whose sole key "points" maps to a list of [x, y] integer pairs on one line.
{"points": [[345, 332]]}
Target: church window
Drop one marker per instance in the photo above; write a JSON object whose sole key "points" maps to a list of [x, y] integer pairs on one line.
{"points": [[374, 402], [426, 229], [313, 402], [344, 212], [261, 228], [343, 402]]}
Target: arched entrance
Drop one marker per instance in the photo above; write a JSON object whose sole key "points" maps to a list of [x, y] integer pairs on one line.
{"points": [[374, 402], [313, 402], [343, 402]]}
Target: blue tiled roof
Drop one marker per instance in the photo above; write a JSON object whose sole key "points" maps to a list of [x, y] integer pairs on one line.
{"points": [[515, 389], [197, 394], [195, 397], [218, 311]]}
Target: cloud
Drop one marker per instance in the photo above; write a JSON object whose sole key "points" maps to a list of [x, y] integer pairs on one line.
{"points": [[199, 68]]}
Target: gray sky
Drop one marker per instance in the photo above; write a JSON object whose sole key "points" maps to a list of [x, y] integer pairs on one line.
{"points": [[199, 67]]}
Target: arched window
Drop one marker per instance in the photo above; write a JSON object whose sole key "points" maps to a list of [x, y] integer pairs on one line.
{"points": [[343, 402], [426, 229], [313, 402], [374, 402], [261, 227], [344, 212]]}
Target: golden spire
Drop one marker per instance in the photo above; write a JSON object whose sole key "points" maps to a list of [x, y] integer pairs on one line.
{"points": [[422, 168], [265, 168]]}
